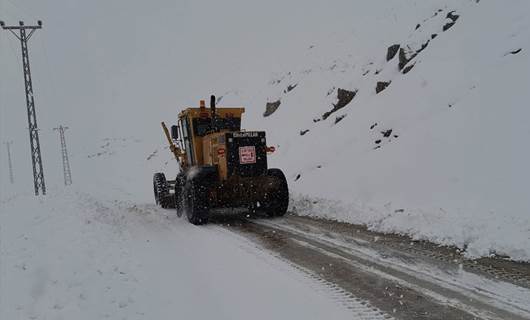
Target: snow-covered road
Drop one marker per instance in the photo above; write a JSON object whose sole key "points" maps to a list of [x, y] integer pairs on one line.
{"points": [[406, 278], [100, 249], [84, 255], [75, 256]]}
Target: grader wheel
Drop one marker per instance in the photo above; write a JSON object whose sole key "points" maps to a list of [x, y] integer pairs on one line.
{"points": [[278, 199], [163, 197]]}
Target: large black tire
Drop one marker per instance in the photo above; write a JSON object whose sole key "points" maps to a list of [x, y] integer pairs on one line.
{"points": [[179, 194], [196, 204], [277, 200], [161, 189]]}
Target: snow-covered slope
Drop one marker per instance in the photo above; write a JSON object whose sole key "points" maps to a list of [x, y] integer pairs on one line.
{"points": [[439, 153]]}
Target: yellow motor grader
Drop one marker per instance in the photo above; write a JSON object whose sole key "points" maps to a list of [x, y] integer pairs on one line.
{"points": [[221, 166]]}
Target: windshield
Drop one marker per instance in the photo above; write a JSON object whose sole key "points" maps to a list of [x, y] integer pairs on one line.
{"points": [[203, 126]]}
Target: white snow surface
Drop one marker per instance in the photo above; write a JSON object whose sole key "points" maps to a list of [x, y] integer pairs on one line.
{"points": [[98, 252], [101, 249], [456, 173]]}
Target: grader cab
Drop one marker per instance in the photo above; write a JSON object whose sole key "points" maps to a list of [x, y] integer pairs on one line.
{"points": [[221, 166]]}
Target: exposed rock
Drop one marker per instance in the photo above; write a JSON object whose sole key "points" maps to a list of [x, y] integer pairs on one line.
{"points": [[403, 58], [290, 87], [271, 107], [434, 35], [343, 98], [392, 51], [302, 132], [378, 141], [417, 26], [373, 126], [386, 133], [297, 177], [423, 46], [408, 68], [516, 51], [451, 15], [447, 26], [381, 85], [152, 155], [339, 118]]}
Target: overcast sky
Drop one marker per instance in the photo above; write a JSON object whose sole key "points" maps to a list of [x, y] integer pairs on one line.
{"points": [[114, 68]]}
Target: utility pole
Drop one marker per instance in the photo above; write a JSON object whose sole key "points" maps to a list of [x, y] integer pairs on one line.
{"points": [[23, 36], [64, 153], [9, 163]]}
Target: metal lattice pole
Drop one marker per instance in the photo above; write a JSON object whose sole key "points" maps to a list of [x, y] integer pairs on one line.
{"points": [[64, 153], [36, 158], [9, 162]]}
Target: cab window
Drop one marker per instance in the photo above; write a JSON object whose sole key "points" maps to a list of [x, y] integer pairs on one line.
{"points": [[186, 137], [203, 126]]}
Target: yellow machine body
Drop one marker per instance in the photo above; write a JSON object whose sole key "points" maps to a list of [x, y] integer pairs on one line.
{"points": [[221, 166], [208, 149]]}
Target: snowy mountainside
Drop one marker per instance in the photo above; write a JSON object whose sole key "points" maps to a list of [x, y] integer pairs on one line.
{"points": [[411, 122]]}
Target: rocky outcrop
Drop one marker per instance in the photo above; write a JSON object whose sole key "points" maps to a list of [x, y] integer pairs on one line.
{"points": [[392, 51], [453, 17], [343, 98], [271, 107], [381, 85]]}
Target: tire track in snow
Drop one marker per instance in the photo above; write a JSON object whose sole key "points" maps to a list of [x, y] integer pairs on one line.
{"points": [[424, 298], [360, 308]]}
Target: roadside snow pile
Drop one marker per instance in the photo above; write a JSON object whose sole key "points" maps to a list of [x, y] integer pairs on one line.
{"points": [[106, 255], [412, 118]]}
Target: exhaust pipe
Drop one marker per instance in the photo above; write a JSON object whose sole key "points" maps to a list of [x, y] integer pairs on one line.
{"points": [[214, 116]]}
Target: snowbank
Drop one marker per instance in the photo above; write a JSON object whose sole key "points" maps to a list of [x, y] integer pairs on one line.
{"points": [[105, 255]]}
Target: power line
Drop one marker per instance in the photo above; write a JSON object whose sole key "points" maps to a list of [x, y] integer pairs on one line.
{"points": [[36, 158], [64, 153]]}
